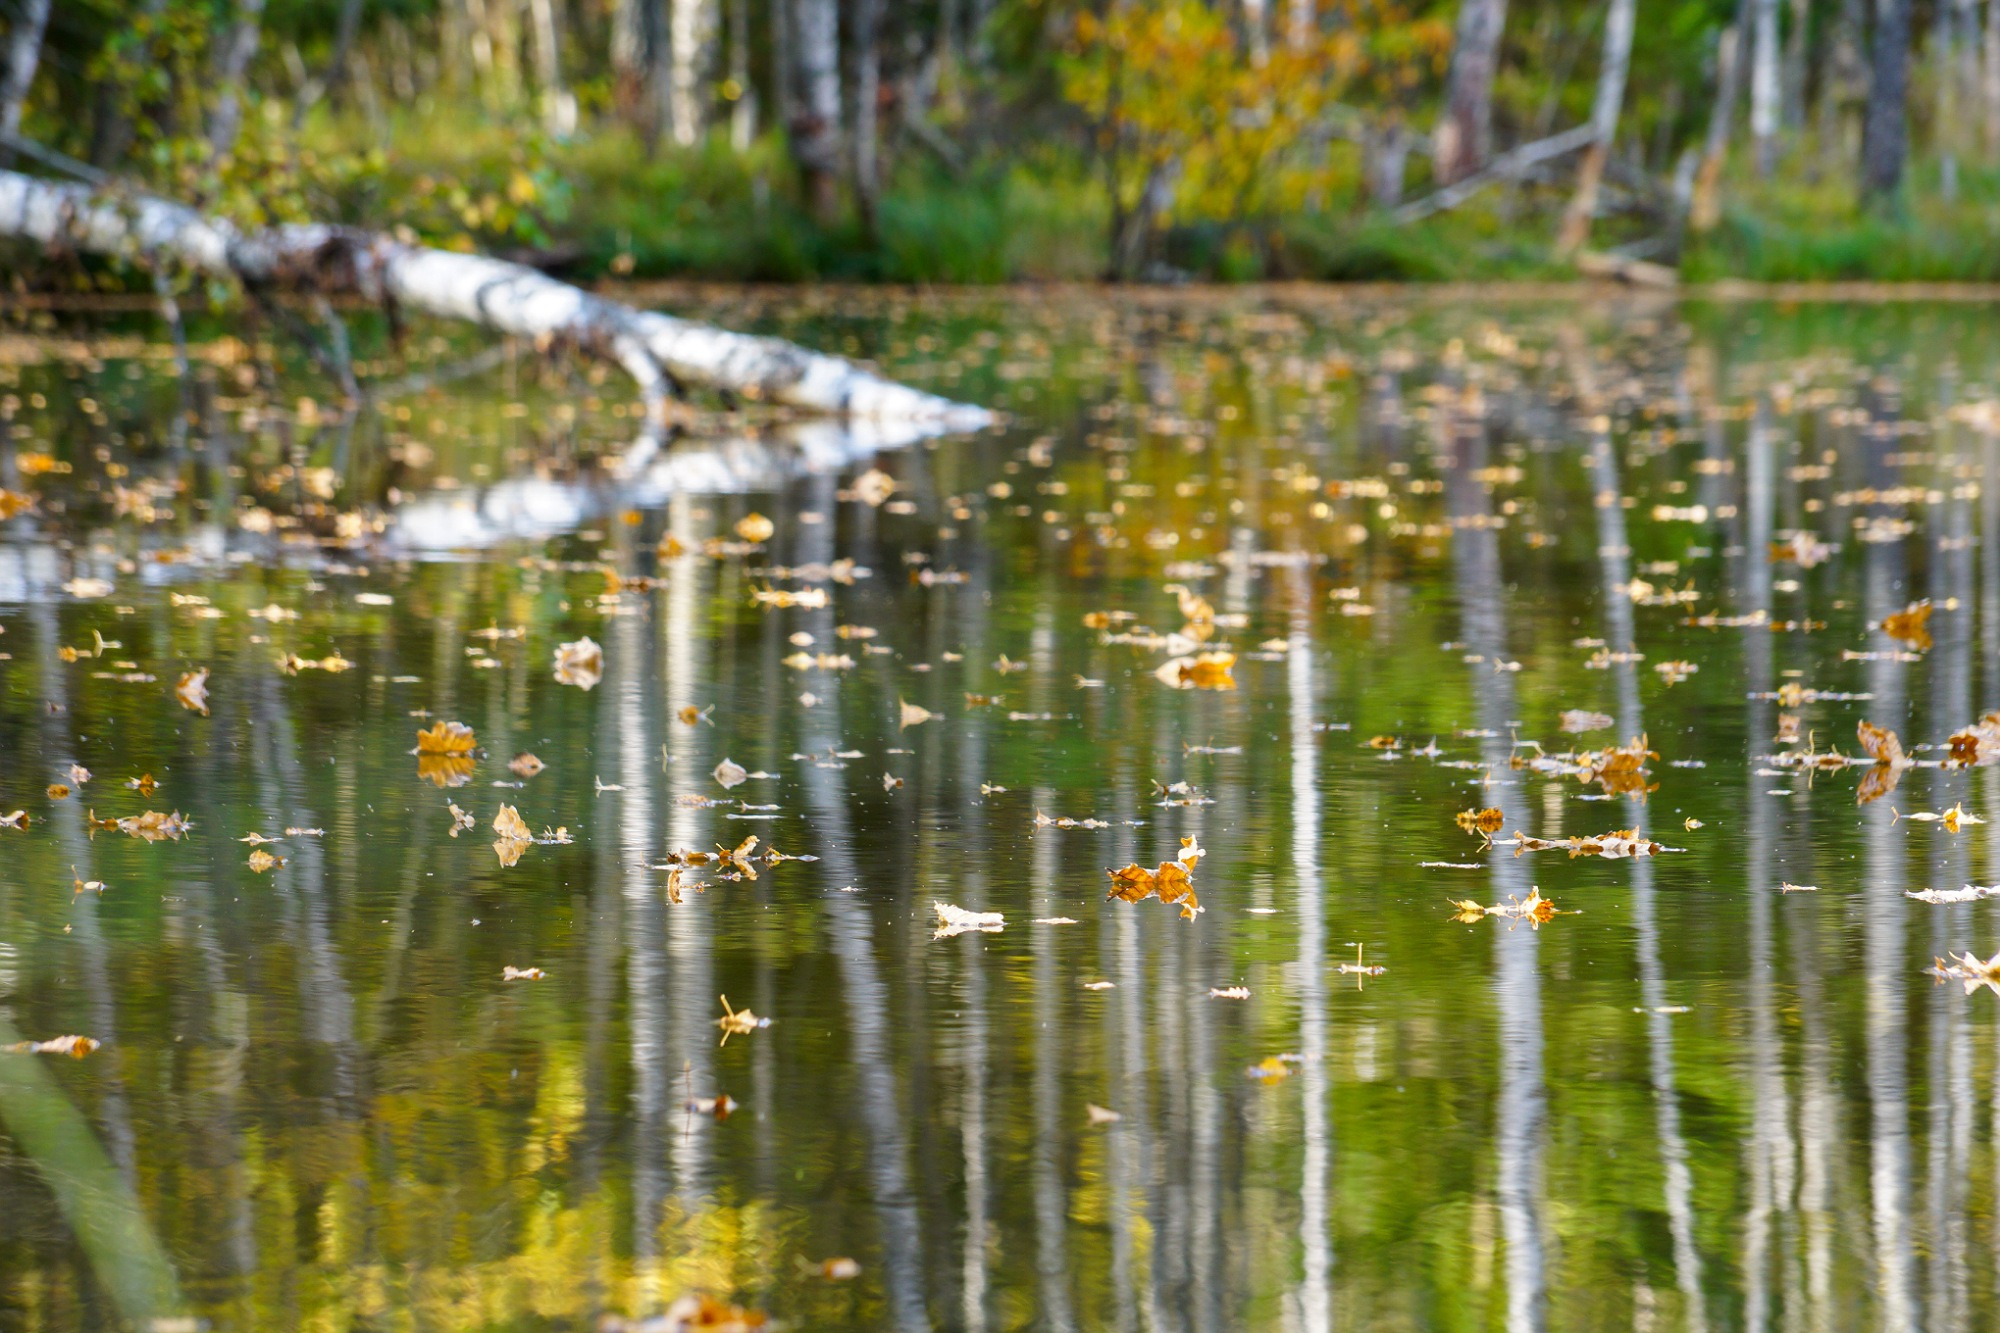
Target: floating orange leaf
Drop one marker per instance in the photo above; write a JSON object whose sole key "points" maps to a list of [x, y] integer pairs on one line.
{"points": [[1202, 671], [1910, 625]]}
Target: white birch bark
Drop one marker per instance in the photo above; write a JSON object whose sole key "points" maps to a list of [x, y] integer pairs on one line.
{"points": [[1604, 111], [506, 298], [690, 34], [1764, 67], [1464, 133], [1989, 77], [558, 103], [1300, 21], [866, 34], [1257, 27], [815, 33], [743, 112], [232, 66], [24, 56], [1944, 41]]}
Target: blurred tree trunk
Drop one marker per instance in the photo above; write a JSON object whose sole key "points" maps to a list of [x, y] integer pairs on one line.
{"points": [[867, 103], [1301, 20], [780, 82], [1797, 45], [1844, 85], [348, 29], [1944, 137], [1764, 88], [232, 66], [1885, 129], [691, 35], [1990, 79], [558, 103], [1257, 29], [629, 56], [1705, 202], [1465, 132], [743, 110], [1604, 111], [815, 126], [24, 56]]}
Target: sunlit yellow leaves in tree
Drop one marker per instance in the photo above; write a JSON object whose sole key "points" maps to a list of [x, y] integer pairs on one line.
{"points": [[1170, 882], [73, 1046], [738, 1022], [754, 527], [1911, 625], [1202, 671], [191, 691], [580, 664], [1487, 821]]}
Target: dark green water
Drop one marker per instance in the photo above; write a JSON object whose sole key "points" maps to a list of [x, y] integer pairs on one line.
{"points": [[1697, 1103]]}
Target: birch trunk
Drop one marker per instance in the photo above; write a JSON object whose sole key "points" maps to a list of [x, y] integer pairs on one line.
{"points": [[1604, 127], [690, 35], [1989, 75], [1845, 85], [506, 298], [1705, 201], [24, 56], [232, 66], [1792, 111], [867, 101], [815, 126], [1944, 43], [1257, 28], [1300, 22], [1465, 132], [743, 111], [1885, 128], [1764, 86], [558, 103]]}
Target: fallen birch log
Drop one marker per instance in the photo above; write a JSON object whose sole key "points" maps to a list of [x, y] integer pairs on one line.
{"points": [[657, 350]]}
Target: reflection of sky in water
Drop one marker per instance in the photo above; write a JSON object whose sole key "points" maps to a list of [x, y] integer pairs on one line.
{"points": [[1696, 1103]]}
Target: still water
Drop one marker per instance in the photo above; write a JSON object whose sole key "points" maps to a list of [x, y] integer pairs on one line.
{"points": [[1719, 1088]]}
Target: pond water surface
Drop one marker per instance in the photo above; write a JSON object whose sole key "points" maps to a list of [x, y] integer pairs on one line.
{"points": [[1720, 1086]]}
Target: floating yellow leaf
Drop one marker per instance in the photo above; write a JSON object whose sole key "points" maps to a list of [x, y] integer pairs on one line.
{"points": [[754, 527]]}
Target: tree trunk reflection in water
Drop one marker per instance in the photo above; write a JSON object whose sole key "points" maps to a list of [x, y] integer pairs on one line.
{"points": [[878, 1097], [1521, 1115], [1884, 959], [1315, 1291], [1615, 554]]}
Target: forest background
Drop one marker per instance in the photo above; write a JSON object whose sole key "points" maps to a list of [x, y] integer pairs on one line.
{"points": [[1000, 140]]}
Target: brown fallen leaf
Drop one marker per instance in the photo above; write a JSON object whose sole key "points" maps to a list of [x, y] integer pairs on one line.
{"points": [[730, 774], [1911, 625], [149, 827], [73, 1046], [1201, 671], [261, 860], [191, 691], [738, 1022], [58, 792], [509, 825], [143, 784], [1169, 882], [580, 664], [460, 819], [1488, 821], [525, 765]]}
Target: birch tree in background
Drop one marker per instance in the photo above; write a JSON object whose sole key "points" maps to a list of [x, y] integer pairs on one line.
{"points": [[1300, 22], [1843, 86], [232, 63], [1944, 132], [24, 56], [815, 127], [1764, 85], [1792, 115], [1604, 128], [1465, 131], [558, 103], [1989, 78], [1885, 128], [690, 40], [1705, 203], [743, 108], [867, 99]]}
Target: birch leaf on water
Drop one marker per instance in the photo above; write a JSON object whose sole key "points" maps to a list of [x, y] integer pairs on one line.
{"points": [[580, 663], [1170, 881]]}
